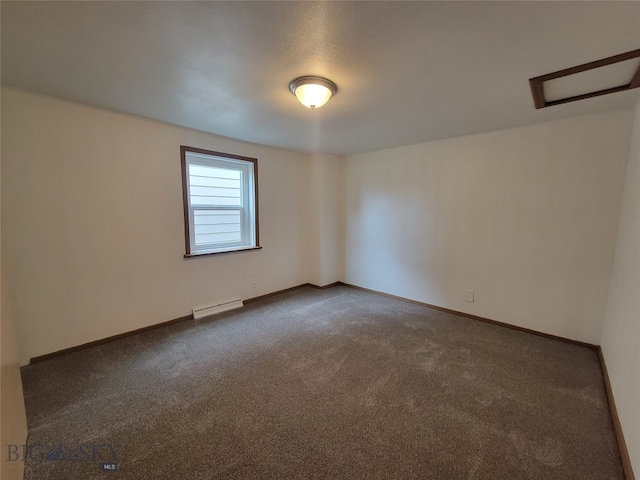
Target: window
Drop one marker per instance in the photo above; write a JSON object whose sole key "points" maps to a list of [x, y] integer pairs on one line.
{"points": [[220, 201]]}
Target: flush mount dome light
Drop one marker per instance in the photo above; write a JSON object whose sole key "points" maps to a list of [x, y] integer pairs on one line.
{"points": [[313, 92]]}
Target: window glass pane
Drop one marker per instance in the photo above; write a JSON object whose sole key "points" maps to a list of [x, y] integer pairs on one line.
{"points": [[199, 181], [214, 226], [214, 186], [214, 238], [215, 172], [215, 217]]}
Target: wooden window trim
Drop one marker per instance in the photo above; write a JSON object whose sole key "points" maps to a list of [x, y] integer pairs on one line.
{"points": [[185, 201]]}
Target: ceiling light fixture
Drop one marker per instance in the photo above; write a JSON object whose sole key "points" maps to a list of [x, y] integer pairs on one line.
{"points": [[313, 92]]}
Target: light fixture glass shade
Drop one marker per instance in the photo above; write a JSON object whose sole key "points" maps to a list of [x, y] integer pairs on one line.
{"points": [[313, 96], [313, 92]]}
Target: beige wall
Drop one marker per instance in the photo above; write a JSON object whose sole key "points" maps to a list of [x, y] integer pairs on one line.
{"points": [[93, 223], [326, 229], [527, 218], [621, 332], [13, 421], [12, 413]]}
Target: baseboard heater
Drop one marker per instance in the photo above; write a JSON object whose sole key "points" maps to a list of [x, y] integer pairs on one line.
{"points": [[205, 311]]}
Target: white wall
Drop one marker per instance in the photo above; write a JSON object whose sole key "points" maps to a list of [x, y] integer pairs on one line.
{"points": [[92, 223], [326, 230], [621, 332], [526, 217]]}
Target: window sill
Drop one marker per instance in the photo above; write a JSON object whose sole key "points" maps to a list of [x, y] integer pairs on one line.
{"points": [[221, 252]]}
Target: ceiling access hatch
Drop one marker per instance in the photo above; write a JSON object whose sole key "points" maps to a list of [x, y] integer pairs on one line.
{"points": [[602, 77]]}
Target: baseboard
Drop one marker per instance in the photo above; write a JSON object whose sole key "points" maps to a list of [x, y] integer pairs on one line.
{"points": [[324, 287], [113, 338], [617, 426], [476, 317], [273, 294], [102, 341]]}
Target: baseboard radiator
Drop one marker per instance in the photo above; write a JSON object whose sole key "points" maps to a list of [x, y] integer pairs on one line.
{"points": [[206, 310]]}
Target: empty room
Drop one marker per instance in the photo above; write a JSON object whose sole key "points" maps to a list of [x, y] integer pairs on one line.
{"points": [[320, 240]]}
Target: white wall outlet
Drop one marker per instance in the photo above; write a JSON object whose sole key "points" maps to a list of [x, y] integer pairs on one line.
{"points": [[253, 283], [468, 295]]}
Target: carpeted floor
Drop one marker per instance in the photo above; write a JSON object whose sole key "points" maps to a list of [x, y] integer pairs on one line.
{"points": [[332, 384]]}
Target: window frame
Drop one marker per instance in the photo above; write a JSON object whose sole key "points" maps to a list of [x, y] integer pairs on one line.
{"points": [[247, 222]]}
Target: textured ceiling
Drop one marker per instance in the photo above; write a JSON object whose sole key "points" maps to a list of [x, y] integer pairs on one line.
{"points": [[407, 72]]}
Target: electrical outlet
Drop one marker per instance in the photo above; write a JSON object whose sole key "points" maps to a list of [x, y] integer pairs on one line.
{"points": [[468, 295], [253, 283]]}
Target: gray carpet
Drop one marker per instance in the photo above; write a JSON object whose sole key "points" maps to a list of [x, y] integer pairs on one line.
{"points": [[334, 384]]}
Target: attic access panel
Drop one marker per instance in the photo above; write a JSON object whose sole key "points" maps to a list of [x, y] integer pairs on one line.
{"points": [[623, 73]]}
